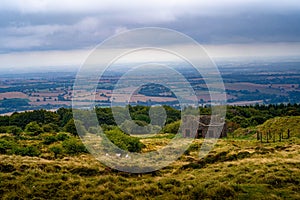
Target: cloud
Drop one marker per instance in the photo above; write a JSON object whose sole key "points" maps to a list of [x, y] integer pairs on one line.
{"points": [[51, 36], [36, 60], [39, 60], [27, 25], [170, 6]]}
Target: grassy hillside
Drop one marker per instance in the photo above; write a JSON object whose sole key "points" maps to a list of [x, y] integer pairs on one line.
{"points": [[234, 169], [275, 125], [282, 124], [42, 158]]}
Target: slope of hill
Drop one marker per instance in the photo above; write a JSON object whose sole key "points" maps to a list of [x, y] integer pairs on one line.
{"points": [[279, 125], [41, 157], [276, 126], [234, 169]]}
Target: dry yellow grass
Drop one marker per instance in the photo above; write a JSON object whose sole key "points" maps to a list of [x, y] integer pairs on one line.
{"points": [[234, 169]]}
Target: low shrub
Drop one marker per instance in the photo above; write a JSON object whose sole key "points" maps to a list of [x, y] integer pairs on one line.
{"points": [[62, 137], [123, 141], [73, 146], [15, 130], [172, 127], [57, 150], [50, 128], [50, 139], [3, 129], [33, 128], [27, 151], [70, 127], [6, 145]]}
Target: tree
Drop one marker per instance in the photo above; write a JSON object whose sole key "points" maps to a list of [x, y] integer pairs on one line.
{"points": [[135, 127], [14, 130], [65, 115], [232, 126], [4, 120], [172, 114], [172, 127], [141, 117], [105, 116], [33, 128], [70, 127], [75, 129], [11, 129], [242, 121], [50, 128]]}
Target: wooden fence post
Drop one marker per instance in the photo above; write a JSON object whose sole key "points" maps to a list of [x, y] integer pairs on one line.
{"points": [[280, 135]]}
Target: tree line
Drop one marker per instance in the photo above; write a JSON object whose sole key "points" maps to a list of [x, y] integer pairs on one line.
{"points": [[62, 119]]}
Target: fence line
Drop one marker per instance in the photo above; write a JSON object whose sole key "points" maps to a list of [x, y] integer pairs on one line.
{"points": [[271, 137]]}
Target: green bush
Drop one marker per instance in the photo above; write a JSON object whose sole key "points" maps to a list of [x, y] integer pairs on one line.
{"points": [[172, 127], [123, 141], [106, 127], [50, 128], [242, 121], [139, 127], [6, 145], [50, 139], [15, 130], [47, 128], [134, 127], [27, 151], [72, 128], [3, 129], [73, 146], [56, 150], [62, 137], [33, 128]]}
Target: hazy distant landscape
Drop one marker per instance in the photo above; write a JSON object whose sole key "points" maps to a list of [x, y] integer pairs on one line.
{"points": [[246, 83]]}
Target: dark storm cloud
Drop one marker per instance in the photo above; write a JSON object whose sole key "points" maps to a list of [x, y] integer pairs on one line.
{"points": [[65, 25]]}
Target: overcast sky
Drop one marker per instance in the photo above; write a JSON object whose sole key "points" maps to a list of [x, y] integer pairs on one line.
{"points": [[58, 28]]}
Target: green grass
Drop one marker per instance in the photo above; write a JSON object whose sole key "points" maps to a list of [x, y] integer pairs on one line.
{"points": [[282, 124]]}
